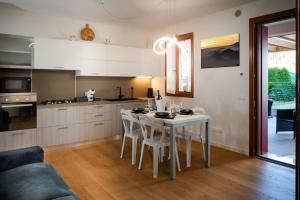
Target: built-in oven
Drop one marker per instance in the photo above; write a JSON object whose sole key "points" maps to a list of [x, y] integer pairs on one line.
{"points": [[15, 84], [17, 111]]}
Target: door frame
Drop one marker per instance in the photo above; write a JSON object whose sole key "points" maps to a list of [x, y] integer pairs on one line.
{"points": [[298, 99], [253, 74]]}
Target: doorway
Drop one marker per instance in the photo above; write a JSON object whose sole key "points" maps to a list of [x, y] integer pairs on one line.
{"points": [[273, 87]]}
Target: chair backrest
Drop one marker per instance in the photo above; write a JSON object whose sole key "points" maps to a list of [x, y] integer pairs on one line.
{"points": [[128, 121], [150, 128]]}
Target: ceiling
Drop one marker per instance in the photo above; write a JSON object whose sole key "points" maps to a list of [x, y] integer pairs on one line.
{"points": [[140, 13]]}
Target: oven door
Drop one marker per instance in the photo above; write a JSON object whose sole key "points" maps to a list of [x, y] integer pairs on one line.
{"points": [[17, 116], [15, 84]]}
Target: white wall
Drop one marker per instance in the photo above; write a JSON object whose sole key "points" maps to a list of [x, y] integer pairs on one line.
{"points": [[223, 92], [17, 21]]}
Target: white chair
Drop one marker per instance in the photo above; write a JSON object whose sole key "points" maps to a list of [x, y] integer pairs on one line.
{"points": [[131, 130], [189, 133], [154, 135]]}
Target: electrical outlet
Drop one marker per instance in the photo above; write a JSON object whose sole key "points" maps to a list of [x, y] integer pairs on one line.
{"points": [[216, 130]]}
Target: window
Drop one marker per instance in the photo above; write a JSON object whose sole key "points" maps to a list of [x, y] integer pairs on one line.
{"points": [[179, 67]]}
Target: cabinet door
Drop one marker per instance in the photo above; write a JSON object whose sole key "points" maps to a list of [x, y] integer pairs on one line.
{"points": [[123, 61], [68, 54], [45, 117], [92, 68], [76, 133], [63, 116], [151, 64], [79, 114], [56, 54], [93, 60], [52, 136], [96, 130], [17, 139]]}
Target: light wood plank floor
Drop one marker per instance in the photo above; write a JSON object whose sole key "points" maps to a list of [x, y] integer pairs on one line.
{"points": [[97, 172]]}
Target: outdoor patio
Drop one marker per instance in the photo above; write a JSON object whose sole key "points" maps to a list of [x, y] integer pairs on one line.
{"points": [[281, 145]]}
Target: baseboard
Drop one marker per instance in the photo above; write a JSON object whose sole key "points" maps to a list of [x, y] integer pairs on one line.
{"points": [[234, 149]]}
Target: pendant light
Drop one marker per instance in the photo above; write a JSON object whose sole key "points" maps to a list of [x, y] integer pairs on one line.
{"points": [[162, 44]]}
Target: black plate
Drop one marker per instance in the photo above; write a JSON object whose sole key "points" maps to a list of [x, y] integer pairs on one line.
{"points": [[186, 111], [162, 114], [166, 117], [138, 110]]}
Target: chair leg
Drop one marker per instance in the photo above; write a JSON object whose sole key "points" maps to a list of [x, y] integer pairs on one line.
{"points": [[177, 158], [188, 151], [134, 147], [155, 161], [203, 148], [141, 156], [162, 154], [123, 146]]}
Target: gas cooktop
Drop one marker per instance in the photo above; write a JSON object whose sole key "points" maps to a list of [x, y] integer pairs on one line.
{"points": [[58, 101]]}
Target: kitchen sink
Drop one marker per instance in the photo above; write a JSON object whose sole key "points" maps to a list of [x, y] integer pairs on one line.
{"points": [[123, 99]]}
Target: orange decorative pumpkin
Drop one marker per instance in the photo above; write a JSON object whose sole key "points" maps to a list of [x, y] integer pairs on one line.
{"points": [[87, 33]]}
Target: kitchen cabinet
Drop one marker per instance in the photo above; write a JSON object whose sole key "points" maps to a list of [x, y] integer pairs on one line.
{"points": [[55, 116], [70, 124], [17, 139], [56, 54], [57, 135], [123, 61], [93, 60], [151, 64]]}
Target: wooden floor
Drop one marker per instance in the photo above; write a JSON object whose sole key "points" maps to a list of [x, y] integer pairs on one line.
{"points": [[97, 172]]}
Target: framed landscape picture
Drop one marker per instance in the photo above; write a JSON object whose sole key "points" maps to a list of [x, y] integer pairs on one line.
{"points": [[221, 51]]}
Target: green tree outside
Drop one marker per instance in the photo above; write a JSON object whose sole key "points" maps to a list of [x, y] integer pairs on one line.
{"points": [[280, 85]]}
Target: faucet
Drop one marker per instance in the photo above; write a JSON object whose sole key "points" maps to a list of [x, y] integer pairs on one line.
{"points": [[120, 92], [131, 92]]}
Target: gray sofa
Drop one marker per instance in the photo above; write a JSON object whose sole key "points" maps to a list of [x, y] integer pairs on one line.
{"points": [[24, 176]]}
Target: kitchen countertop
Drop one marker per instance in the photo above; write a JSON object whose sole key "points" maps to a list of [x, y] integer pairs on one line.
{"points": [[101, 102]]}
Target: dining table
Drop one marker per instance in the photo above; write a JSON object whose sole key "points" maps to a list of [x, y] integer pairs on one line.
{"points": [[183, 121]]}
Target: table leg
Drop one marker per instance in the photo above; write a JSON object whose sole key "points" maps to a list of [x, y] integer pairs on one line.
{"points": [[173, 153], [207, 144]]}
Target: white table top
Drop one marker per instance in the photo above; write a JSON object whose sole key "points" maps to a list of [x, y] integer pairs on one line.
{"points": [[181, 119]]}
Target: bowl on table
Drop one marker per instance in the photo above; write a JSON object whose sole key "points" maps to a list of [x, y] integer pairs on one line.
{"points": [[162, 114], [138, 110], [186, 112]]}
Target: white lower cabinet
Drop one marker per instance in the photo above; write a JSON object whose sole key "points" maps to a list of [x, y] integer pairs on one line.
{"points": [[17, 139], [73, 124]]}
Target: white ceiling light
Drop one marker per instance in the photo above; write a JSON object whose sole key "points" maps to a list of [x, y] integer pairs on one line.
{"points": [[162, 44]]}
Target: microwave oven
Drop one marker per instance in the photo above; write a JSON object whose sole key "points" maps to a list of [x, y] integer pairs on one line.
{"points": [[15, 84]]}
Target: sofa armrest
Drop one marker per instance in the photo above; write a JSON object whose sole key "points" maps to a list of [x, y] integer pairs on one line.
{"points": [[14, 158]]}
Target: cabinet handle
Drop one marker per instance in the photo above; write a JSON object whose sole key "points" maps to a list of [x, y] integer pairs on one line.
{"points": [[58, 67], [61, 109], [99, 106], [137, 104], [99, 115], [62, 128], [19, 133], [99, 124]]}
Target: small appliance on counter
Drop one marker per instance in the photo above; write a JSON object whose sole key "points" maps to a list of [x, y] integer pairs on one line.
{"points": [[90, 94], [150, 93], [17, 111]]}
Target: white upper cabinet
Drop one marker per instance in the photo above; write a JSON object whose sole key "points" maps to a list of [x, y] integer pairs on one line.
{"points": [[56, 54], [123, 61], [151, 64], [93, 60]]}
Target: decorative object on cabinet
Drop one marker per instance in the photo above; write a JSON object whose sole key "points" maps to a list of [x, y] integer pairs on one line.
{"points": [[221, 51], [87, 33]]}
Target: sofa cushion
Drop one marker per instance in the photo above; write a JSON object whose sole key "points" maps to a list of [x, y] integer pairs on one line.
{"points": [[37, 181]]}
